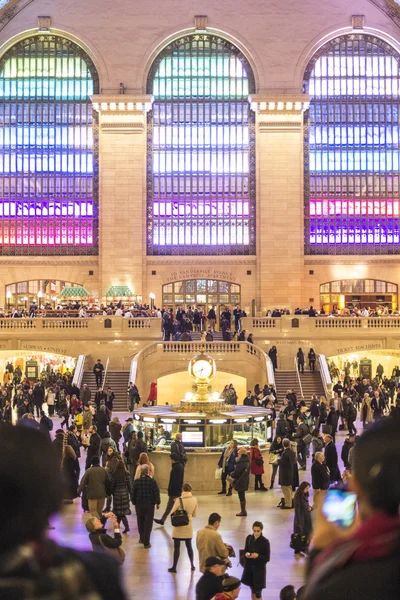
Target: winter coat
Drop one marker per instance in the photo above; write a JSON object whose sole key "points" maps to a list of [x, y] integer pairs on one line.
{"points": [[286, 468], [319, 476], [241, 474], [323, 413], [70, 472], [331, 459], [209, 543], [255, 569], [255, 455], [87, 418], [85, 396], [190, 505], [283, 428], [208, 586], [345, 453], [94, 447], [115, 430], [302, 516], [230, 464], [121, 489], [97, 483], [176, 480], [102, 420], [135, 450]]}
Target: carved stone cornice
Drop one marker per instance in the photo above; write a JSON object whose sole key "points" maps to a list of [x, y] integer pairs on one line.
{"points": [[353, 261], [390, 8], [46, 262], [203, 263], [11, 9], [121, 113], [279, 112]]}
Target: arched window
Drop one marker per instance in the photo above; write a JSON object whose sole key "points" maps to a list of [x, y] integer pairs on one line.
{"points": [[201, 188], [48, 184], [352, 148]]}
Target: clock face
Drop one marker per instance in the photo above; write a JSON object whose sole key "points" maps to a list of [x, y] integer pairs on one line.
{"points": [[202, 369]]}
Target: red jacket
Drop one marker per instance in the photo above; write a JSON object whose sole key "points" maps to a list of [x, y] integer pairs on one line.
{"points": [[256, 469]]}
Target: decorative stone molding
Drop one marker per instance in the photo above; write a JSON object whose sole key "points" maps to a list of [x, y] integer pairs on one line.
{"points": [[354, 261], [48, 262], [200, 22], [389, 7], [357, 21], [44, 23], [122, 113], [279, 112], [9, 10]]}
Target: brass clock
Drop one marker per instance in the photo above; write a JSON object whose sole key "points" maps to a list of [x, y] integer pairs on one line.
{"points": [[202, 368]]}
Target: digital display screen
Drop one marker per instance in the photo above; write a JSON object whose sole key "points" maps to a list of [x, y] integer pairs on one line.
{"points": [[193, 438]]}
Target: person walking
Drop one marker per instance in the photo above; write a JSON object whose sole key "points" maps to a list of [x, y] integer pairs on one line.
{"points": [[319, 478], [241, 479], [184, 533], [300, 360], [331, 459], [144, 460], [209, 542], [70, 470], [257, 466], [286, 475], [211, 318], [174, 486], [312, 357], [135, 449], [275, 453], [210, 583], [115, 431], [227, 463], [94, 446], [302, 525], [178, 448], [98, 372], [300, 436], [273, 354], [120, 490], [257, 553], [145, 497], [96, 483]]}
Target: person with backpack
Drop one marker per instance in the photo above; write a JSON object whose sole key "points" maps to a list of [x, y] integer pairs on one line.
{"points": [[312, 357]]}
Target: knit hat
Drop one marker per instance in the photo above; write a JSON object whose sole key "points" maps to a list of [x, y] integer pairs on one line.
{"points": [[211, 561], [230, 583]]}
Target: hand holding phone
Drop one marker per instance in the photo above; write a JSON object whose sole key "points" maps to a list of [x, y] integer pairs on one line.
{"points": [[340, 507]]}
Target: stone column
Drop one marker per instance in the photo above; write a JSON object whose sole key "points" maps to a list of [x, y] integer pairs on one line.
{"points": [[280, 199], [122, 189]]}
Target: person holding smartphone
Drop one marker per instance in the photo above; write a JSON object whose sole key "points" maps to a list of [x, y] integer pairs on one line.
{"points": [[257, 554], [362, 560]]}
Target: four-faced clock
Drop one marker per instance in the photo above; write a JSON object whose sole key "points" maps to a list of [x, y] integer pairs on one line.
{"points": [[202, 369]]}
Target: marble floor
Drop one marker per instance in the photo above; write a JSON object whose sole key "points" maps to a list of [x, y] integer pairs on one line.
{"points": [[145, 572]]}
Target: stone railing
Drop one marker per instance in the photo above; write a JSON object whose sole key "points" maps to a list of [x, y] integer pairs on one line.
{"points": [[383, 323], [302, 325], [65, 323], [18, 324], [340, 323]]}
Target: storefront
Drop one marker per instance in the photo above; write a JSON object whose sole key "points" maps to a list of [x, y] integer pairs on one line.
{"points": [[358, 293]]}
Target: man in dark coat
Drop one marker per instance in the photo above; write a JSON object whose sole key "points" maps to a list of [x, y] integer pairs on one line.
{"points": [[300, 433], [331, 458], [178, 448], [102, 421], [210, 583], [86, 395], [319, 476], [283, 429], [347, 445], [174, 486], [286, 474], [241, 476], [145, 497], [94, 446], [98, 372], [138, 448], [38, 396]]}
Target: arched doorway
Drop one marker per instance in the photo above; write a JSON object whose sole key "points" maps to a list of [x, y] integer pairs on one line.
{"points": [[22, 293], [360, 293], [201, 294]]}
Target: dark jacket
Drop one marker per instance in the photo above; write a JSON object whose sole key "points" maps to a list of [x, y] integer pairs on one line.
{"points": [[207, 586], [242, 473], [255, 569], [230, 465], [283, 428], [176, 480], [121, 489], [115, 431], [331, 459], [102, 420], [107, 540], [286, 468], [302, 516], [179, 449], [345, 453], [70, 471], [97, 483], [94, 447], [136, 450], [319, 476]]}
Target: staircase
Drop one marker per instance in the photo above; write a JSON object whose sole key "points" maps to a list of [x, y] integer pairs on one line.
{"points": [[118, 381], [287, 380]]}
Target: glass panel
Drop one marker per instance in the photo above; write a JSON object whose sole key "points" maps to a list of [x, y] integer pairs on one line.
{"points": [[369, 285], [235, 289], [48, 199], [347, 286], [224, 287], [391, 288], [324, 288], [179, 287], [223, 299], [201, 298], [179, 299], [167, 299], [190, 298], [190, 286], [167, 289], [212, 286], [380, 286], [201, 285], [335, 286], [22, 287], [201, 149], [235, 299], [352, 196], [212, 298], [33, 287]]}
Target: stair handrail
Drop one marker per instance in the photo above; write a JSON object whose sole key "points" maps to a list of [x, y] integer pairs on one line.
{"points": [[270, 371], [133, 374], [105, 372], [79, 370], [296, 366], [325, 374]]}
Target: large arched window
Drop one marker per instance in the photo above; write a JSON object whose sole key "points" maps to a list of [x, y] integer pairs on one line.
{"points": [[201, 188], [48, 184], [352, 148]]}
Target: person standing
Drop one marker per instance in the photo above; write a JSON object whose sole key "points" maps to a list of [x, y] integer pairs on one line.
{"points": [[257, 553], [115, 431], [136, 448], [241, 477], [178, 448], [275, 453], [227, 463], [211, 318], [38, 395], [98, 372], [184, 533], [257, 466], [331, 458], [96, 483], [109, 401], [319, 478], [300, 360], [174, 486], [301, 432], [94, 446], [286, 475], [273, 354], [70, 470], [302, 525], [145, 496], [121, 489], [312, 357], [85, 395], [210, 583], [144, 460], [209, 542]]}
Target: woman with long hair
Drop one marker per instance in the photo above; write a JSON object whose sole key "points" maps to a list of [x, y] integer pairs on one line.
{"points": [[302, 526], [121, 488], [70, 471], [257, 554], [275, 452], [184, 533], [227, 462], [144, 460], [257, 466]]}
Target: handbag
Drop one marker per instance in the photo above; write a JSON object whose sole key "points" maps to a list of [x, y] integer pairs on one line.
{"points": [[307, 439], [218, 473], [242, 557], [259, 461], [117, 553], [298, 542], [273, 458], [180, 517]]}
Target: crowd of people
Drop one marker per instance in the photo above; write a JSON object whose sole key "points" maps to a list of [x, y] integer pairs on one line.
{"points": [[80, 309], [348, 311]]}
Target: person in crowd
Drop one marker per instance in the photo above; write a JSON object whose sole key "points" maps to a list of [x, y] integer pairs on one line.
{"points": [[109, 401], [137, 447], [29, 562], [332, 422], [102, 421], [127, 430], [299, 436], [107, 443], [174, 486], [178, 448], [257, 466], [241, 479], [144, 460], [230, 589], [331, 458], [363, 562], [350, 415], [227, 463], [85, 395], [121, 489], [302, 525], [273, 354], [257, 553], [209, 542], [286, 475], [312, 357], [283, 428], [367, 413], [38, 398], [96, 483], [63, 412], [134, 396], [87, 418], [115, 431], [275, 452], [288, 593], [347, 445], [317, 442], [300, 360], [184, 533], [145, 497], [99, 398], [98, 370], [94, 446], [45, 423], [319, 477], [101, 541], [70, 470], [210, 583]]}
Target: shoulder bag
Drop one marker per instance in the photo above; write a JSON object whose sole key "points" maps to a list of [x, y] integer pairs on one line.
{"points": [[180, 517], [273, 459], [117, 553]]}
